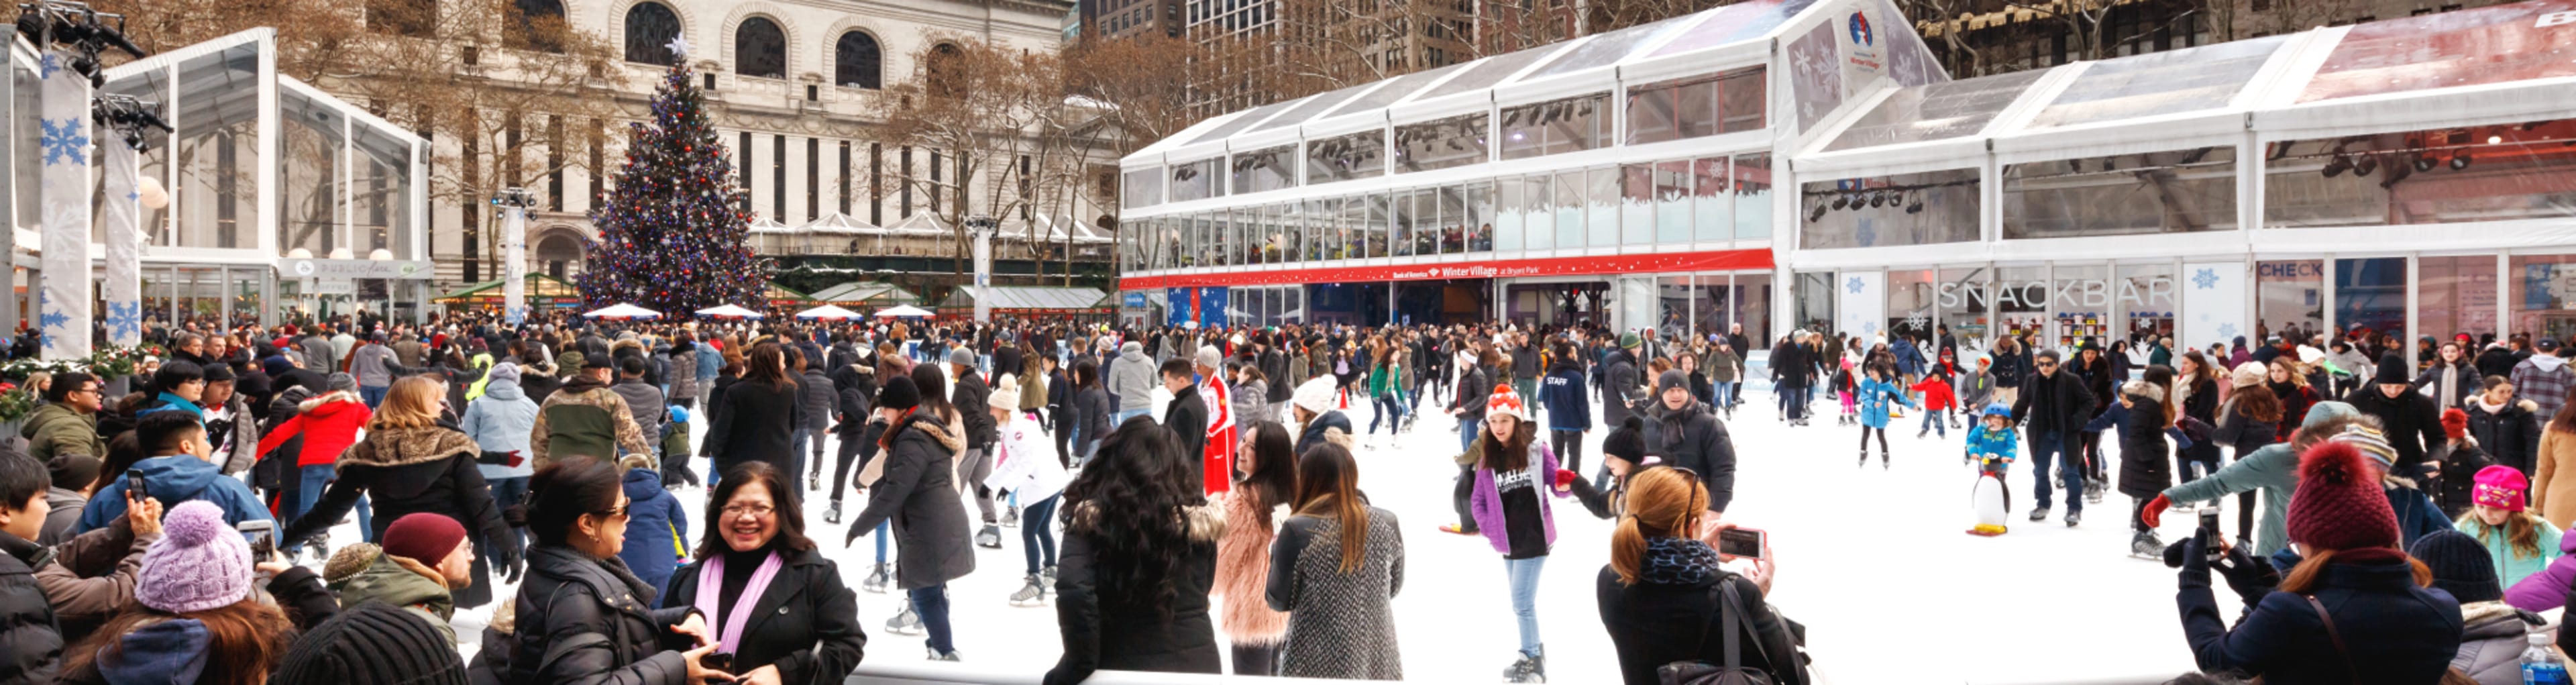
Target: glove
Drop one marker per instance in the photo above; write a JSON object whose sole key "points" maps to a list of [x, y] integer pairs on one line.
{"points": [[2250, 578], [516, 515], [1565, 478], [2155, 511], [2195, 560], [852, 539], [507, 561], [516, 459]]}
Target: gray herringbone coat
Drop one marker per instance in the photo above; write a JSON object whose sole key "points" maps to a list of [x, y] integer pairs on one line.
{"points": [[1340, 625]]}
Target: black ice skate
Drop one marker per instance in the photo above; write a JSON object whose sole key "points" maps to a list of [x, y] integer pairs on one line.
{"points": [[1529, 669], [1031, 593], [2146, 546]]}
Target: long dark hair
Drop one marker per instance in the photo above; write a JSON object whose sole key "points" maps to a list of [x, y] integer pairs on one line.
{"points": [[1328, 484], [767, 364], [1132, 504], [1274, 467], [567, 489], [782, 496], [934, 392], [1507, 455], [1086, 374]]}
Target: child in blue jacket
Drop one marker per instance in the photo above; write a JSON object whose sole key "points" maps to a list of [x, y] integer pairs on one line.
{"points": [[656, 525], [1874, 396]]}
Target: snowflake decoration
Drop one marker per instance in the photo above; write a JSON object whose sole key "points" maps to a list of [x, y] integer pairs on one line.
{"points": [[1869, 328], [2205, 279], [124, 320], [2204, 316], [2227, 330], [1867, 235], [1854, 285], [679, 47], [1917, 322], [64, 139], [49, 64], [55, 319]]}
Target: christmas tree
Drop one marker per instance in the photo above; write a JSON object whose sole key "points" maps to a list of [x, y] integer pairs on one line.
{"points": [[672, 232]]}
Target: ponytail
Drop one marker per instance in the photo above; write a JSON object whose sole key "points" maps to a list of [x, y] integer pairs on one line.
{"points": [[1661, 502], [1628, 550]]}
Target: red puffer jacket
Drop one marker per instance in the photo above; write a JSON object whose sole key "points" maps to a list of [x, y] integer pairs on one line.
{"points": [[329, 424]]}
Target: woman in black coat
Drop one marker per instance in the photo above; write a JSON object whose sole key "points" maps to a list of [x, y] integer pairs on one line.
{"points": [[582, 617], [1091, 410], [2506, 427], [1139, 559], [1664, 598], [918, 493], [802, 627], [410, 464], [2196, 389], [2450, 370], [756, 418]]}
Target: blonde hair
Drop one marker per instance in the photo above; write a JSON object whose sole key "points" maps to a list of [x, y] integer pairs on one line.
{"points": [[1662, 502], [411, 403], [2521, 530]]}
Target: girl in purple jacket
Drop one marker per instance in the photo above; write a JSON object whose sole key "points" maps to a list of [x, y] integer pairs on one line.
{"points": [[1513, 473]]}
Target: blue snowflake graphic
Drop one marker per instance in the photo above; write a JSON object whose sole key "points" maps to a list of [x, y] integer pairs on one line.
{"points": [[1869, 328], [1854, 285], [2227, 330], [2205, 279], [50, 64], [55, 319], [64, 139], [1868, 235], [124, 319]]}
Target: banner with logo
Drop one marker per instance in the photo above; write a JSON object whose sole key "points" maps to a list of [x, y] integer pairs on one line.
{"points": [[1669, 262]]}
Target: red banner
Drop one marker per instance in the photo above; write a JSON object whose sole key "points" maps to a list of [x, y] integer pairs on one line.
{"points": [[2516, 42], [1662, 262]]}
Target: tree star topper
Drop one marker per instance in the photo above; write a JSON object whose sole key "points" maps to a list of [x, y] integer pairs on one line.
{"points": [[679, 46]]}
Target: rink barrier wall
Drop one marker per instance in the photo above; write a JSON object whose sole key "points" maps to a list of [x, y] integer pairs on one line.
{"points": [[970, 674]]}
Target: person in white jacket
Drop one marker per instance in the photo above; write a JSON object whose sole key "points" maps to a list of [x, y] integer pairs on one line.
{"points": [[1026, 467]]}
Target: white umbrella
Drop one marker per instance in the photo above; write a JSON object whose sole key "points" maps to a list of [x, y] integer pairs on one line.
{"points": [[827, 312], [729, 312], [623, 311], [901, 311]]}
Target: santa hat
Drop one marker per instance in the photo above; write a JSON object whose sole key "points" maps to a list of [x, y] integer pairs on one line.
{"points": [[1505, 401]]}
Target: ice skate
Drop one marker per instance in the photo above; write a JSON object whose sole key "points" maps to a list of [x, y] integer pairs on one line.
{"points": [[2146, 546], [1529, 669], [990, 537], [1031, 593], [1864, 458], [814, 481], [2074, 517], [1048, 577], [876, 581], [936, 655], [905, 622], [832, 514], [2039, 514], [2093, 491], [1884, 463], [1010, 518]]}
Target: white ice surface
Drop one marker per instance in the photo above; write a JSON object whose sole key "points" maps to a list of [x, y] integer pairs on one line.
{"points": [[1874, 562]]}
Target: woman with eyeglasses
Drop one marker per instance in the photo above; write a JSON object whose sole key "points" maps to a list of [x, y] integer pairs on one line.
{"points": [[771, 599], [582, 618]]}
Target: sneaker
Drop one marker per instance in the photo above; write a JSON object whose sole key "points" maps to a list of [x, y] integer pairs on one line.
{"points": [[2074, 517], [1529, 669], [876, 581], [905, 623], [936, 655], [990, 537], [2039, 514], [1010, 518], [1030, 593], [832, 514]]}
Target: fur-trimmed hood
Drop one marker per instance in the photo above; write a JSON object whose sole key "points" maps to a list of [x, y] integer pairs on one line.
{"points": [[406, 446], [1206, 520]]}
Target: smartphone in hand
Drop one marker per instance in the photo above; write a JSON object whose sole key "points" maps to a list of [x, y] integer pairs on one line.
{"points": [[135, 490], [263, 539], [1741, 542]]}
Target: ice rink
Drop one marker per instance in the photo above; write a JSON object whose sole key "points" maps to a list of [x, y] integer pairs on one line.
{"points": [[1874, 562]]}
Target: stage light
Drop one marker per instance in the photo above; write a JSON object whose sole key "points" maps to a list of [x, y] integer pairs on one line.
{"points": [[1914, 205], [2460, 160], [2336, 167], [2366, 164], [2424, 162], [1817, 214], [1877, 200], [1842, 202], [2195, 155]]}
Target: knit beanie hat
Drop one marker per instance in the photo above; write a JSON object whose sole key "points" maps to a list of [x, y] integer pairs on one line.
{"points": [[2460, 565], [1506, 401], [72, 471], [1628, 441], [1670, 380], [1006, 393], [2371, 442], [2500, 486], [2455, 423], [504, 371], [567, 361], [198, 564], [2249, 374], [961, 356], [899, 393], [372, 644], [1315, 395], [1210, 357], [2338, 504], [2392, 371], [2321, 412], [339, 380], [423, 537]]}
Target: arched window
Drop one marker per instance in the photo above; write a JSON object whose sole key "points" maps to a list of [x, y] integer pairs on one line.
{"points": [[947, 77], [760, 49], [857, 63], [650, 26], [535, 25], [415, 18]]}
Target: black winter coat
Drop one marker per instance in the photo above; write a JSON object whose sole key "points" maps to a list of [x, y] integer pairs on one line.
{"points": [[1091, 409], [918, 493], [2203, 405], [26, 618], [2394, 632], [2409, 421], [1126, 633], [2463, 386], [406, 471], [2511, 436], [2056, 402], [1187, 417], [820, 398], [754, 421], [584, 621], [2012, 368], [2496, 361], [1652, 624], [1619, 386], [972, 398], [2245, 433], [1693, 438], [2146, 461], [1791, 366], [806, 623]]}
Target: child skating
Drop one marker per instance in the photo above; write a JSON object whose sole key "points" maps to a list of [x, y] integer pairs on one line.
{"points": [[1845, 387], [1937, 403], [1877, 395], [1992, 445]]}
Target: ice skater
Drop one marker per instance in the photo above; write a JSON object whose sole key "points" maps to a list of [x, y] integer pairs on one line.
{"points": [[1844, 390], [1876, 394], [1937, 403], [2144, 421], [1992, 446]]}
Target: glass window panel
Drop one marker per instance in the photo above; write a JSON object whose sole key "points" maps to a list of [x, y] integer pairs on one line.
{"points": [[1752, 174], [1673, 307], [1750, 308], [1270, 168], [2445, 50], [1673, 201], [1407, 211], [1196, 180], [1910, 303], [2177, 191], [2183, 80], [1478, 205], [1637, 203], [1815, 301], [381, 205], [2455, 295], [1732, 23], [1964, 297], [1484, 74], [1710, 200], [2021, 304], [1293, 306], [1507, 225], [308, 172], [1141, 188], [1292, 223], [1318, 221], [217, 201], [2289, 298], [1602, 200], [2544, 296], [2080, 304], [1307, 109], [2372, 293], [2148, 299], [1554, 127], [1905, 209], [1709, 308], [1238, 124], [1672, 110], [1395, 89], [1342, 158], [1256, 235], [1568, 188], [1743, 100], [1374, 232], [1608, 48], [2482, 173], [1441, 143], [1937, 111]]}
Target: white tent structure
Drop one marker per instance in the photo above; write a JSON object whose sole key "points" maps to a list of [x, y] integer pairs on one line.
{"points": [[905, 311], [827, 312], [729, 312], [622, 311]]}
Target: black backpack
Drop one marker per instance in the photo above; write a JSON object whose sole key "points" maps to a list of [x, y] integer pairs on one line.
{"points": [[1733, 672]]}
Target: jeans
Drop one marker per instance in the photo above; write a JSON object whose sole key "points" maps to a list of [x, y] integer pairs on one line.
{"points": [[1725, 394], [2044, 445], [1120, 417], [931, 604], [373, 395], [1390, 411], [1524, 580], [797, 442], [883, 527], [1933, 423], [1793, 402], [309, 490], [1467, 429], [509, 492], [1037, 532]]}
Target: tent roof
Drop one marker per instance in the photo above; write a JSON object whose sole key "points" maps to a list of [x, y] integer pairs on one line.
{"points": [[778, 292], [769, 225], [539, 285], [920, 223], [1017, 297], [864, 291], [837, 222]]}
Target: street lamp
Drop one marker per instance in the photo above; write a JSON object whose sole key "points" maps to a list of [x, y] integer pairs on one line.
{"points": [[982, 228], [514, 203]]}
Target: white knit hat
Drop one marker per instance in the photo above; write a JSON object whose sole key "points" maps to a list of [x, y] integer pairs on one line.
{"points": [[1006, 393], [1315, 395]]}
